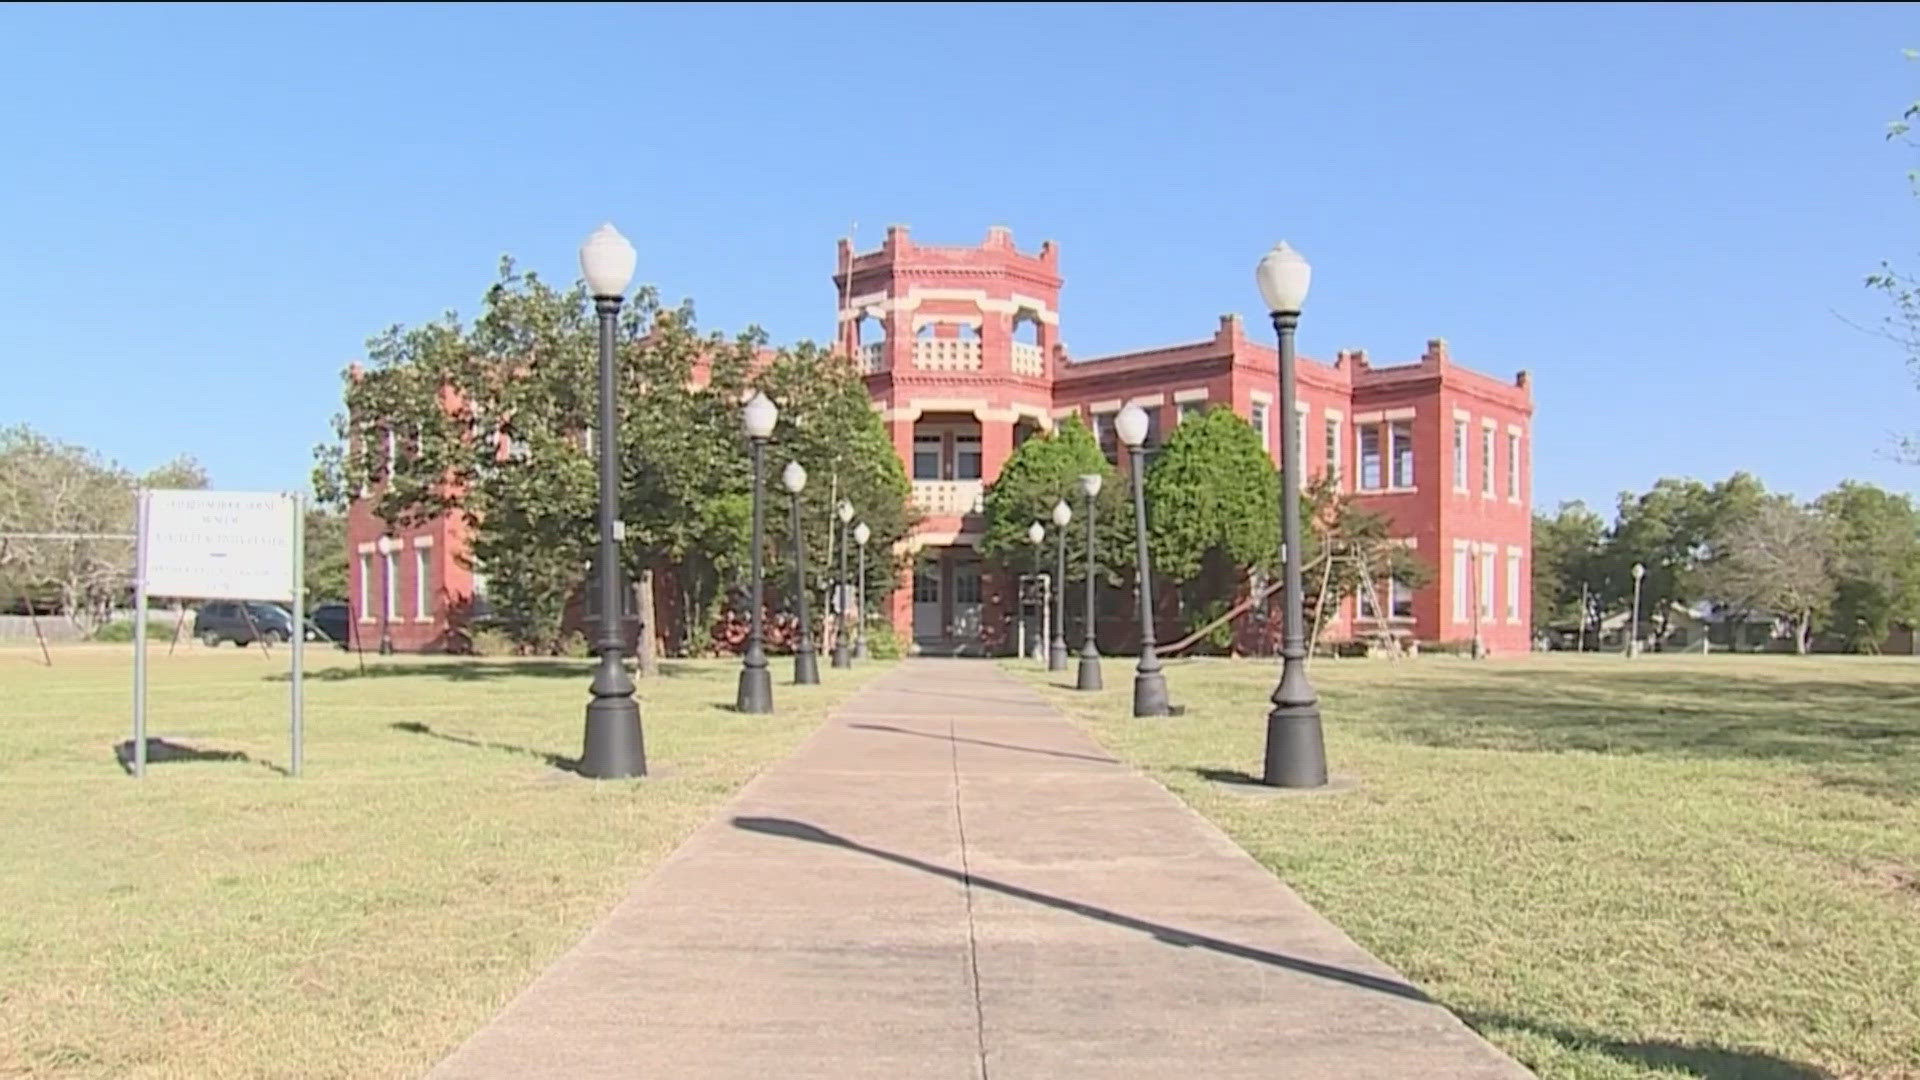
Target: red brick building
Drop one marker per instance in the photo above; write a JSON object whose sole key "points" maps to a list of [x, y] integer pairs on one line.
{"points": [[961, 351]]}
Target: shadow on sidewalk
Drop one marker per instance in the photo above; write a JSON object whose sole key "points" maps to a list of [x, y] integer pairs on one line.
{"points": [[986, 742], [557, 761], [797, 830]]}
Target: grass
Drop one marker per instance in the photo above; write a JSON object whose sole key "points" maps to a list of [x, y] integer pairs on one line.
{"points": [[1704, 866], [219, 919]]}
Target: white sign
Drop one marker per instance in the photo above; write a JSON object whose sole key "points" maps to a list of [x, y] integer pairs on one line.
{"points": [[219, 545]]}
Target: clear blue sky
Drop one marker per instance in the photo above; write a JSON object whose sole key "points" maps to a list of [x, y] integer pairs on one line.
{"points": [[1664, 212]]}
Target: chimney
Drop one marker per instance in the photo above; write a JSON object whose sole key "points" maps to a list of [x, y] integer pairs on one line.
{"points": [[1523, 379], [999, 236], [1359, 358], [897, 237], [1436, 351], [1230, 329]]}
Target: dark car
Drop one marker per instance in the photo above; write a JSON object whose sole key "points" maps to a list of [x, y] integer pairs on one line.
{"points": [[244, 622], [332, 620]]}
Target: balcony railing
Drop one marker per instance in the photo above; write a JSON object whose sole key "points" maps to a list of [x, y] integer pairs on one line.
{"points": [[948, 498], [873, 357], [1028, 359], [946, 354]]}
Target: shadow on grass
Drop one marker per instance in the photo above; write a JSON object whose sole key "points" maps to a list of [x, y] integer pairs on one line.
{"points": [[459, 670], [1237, 777], [1167, 935], [1706, 1062], [566, 764], [164, 751], [1841, 730], [985, 742]]}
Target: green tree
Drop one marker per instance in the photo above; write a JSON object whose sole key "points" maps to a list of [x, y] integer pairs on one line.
{"points": [[1568, 570], [1212, 493], [1775, 560], [1348, 550], [1667, 530], [326, 553], [1039, 473], [1876, 566]]}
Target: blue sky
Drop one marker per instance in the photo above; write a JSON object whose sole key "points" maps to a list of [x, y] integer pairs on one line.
{"points": [[1664, 212]]}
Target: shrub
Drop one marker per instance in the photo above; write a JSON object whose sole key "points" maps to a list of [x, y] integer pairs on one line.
{"points": [[120, 631], [883, 642]]}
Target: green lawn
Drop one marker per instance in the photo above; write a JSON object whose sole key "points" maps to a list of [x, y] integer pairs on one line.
{"points": [[220, 919], [1704, 866]]}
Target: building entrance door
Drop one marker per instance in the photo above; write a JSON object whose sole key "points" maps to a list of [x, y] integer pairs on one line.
{"points": [[928, 623]]}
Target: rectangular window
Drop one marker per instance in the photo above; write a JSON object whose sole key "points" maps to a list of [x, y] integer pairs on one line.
{"points": [[1258, 415], [1459, 455], [1298, 447], [1513, 466], [1513, 586], [926, 584], [1333, 448], [365, 591], [1191, 409], [1155, 436], [1400, 442], [1401, 598], [1371, 478], [1486, 462], [966, 457], [422, 583], [926, 457], [1460, 585], [1369, 603], [966, 585], [388, 585], [1486, 582], [1104, 434]]}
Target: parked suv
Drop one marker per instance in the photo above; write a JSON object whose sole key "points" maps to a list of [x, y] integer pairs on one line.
{"points": [[243, 623], [332, 622]]}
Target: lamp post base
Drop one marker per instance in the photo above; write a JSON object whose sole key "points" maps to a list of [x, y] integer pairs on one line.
{"points": [[1057, 656], [860, 651], [1296, 751], [1150, 694], [841, 659], [756, 690], [806, 668], [386, 647], [614, 748], [1089, 678]]}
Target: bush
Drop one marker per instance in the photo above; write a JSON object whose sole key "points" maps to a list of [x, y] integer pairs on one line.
{"points": [[491, 641], [120, 631], [884, 643]]}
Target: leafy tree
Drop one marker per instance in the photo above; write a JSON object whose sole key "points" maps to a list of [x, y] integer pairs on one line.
{"points": [[1568, 569], [1775, 560], [1347, 548], [828, 424], [326, 553], [1212, 491], [183, 473], [1876, 566], [1040, 472]]}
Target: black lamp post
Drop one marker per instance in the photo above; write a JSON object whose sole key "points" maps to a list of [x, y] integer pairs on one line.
{"points": [[756, 682], [1296, 751], [861, 534], [842, 656], [806, 666], [1036, 534], [615, 746], [1149, 684], [1057, 651], [1089, 678], [384, 546]]}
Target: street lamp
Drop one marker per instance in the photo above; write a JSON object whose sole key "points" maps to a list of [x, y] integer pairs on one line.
{"points": [[756, 684], [861, 534], [806, 666], [1089, 678], [1057, 651], [1149, 685], [615, 746], [1296, 749], [1633, 628], [841, 657], [1036, 534], [385, 546]]}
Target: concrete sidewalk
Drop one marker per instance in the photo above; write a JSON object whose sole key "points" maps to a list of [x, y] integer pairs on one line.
{"points": [[951, 880]]}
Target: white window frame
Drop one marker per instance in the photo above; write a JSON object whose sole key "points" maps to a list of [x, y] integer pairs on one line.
{"points": [[422, 581], [1334, 431], [1395, 482], [1513, 584], [1462, 588], [366, 586], [1459, 455], [1382, 472], [1486, 460], [1513, 466], [390, 586], [1486, 581], [1258, 412]]}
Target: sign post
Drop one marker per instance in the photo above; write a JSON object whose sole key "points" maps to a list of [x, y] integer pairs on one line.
{"points": [[218, 545]]}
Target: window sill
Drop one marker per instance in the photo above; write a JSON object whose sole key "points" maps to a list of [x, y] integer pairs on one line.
{"points": [[421, 620], [1415, 490]]}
